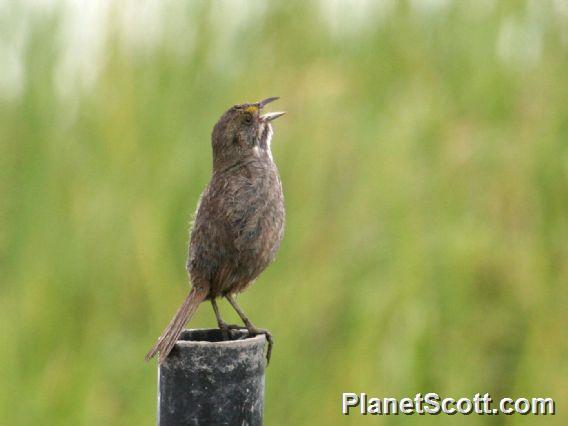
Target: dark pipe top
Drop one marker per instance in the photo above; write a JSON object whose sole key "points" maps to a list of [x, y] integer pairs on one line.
{"points": [[213, 335], [205, 348], [208, 381]]}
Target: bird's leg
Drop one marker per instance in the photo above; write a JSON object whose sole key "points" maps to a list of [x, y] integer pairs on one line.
{"points": [[253, 330], [223, 326]]}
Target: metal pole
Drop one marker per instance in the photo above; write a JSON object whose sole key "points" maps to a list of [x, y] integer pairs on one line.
{"points": [[208, 381]]}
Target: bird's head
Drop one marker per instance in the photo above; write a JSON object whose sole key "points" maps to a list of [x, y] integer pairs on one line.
{"points": [[243, 132]]}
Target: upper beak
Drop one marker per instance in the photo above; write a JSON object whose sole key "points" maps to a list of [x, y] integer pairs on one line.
{"points": [[271, 115], [266, 101]]}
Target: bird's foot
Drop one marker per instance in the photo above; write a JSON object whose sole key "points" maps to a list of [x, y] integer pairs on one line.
{"points": [[254, 331], [226, 329]]}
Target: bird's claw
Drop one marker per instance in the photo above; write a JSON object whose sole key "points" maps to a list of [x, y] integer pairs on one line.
{"points": [[226, 329], [253, 331]]}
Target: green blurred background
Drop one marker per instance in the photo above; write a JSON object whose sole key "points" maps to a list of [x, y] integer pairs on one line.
{"points": [[425, 166]]}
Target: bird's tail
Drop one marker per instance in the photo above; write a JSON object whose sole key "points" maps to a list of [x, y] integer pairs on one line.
{"points": [[170, 335]]}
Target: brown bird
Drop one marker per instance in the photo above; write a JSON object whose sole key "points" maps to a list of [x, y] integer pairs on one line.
{"points": [[239, 221]]}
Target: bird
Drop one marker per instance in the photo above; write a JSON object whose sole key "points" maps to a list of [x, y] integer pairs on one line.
{"points": [[238, 224]]}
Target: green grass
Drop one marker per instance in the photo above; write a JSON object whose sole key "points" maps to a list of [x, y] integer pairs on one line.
{"points": [[425, 167]]}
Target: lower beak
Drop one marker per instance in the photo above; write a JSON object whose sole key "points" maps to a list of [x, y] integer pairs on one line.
{"points": [[272, 116]]}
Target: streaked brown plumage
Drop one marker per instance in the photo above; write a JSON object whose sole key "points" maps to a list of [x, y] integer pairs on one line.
{"points": [[239, 221]]}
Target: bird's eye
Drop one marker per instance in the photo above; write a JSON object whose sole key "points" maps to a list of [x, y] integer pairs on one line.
{"points": [[248, 118]]}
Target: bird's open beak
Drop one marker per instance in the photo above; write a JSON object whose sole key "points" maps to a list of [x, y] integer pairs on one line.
{"points": [[271, 115]]}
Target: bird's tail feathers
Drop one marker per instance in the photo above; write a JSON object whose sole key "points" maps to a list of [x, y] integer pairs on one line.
{"points": [[170, 335]]}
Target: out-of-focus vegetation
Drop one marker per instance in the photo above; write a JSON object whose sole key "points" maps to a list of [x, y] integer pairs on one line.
{"points": [[425, 166]]}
